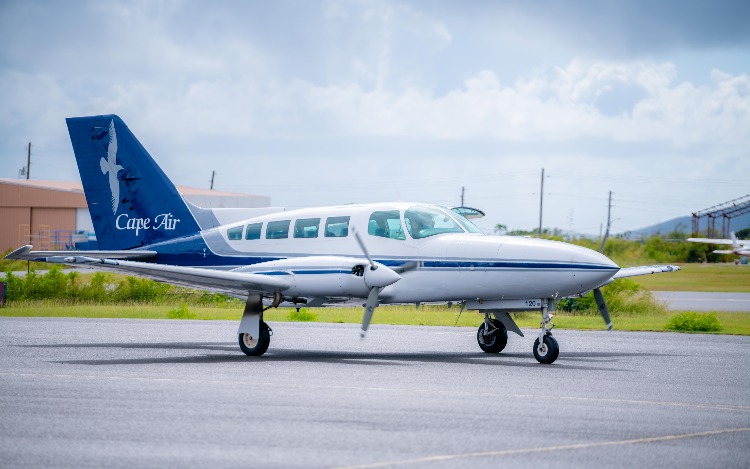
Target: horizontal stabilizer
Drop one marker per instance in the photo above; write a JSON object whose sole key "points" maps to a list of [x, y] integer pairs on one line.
{"points": [[25, 253], [723, 251]]}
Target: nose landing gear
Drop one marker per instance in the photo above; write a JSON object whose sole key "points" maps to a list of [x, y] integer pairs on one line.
{"points": [[546, 349]]}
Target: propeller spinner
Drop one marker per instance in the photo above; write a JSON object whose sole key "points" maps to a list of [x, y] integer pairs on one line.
{"points": [[377, 276]]}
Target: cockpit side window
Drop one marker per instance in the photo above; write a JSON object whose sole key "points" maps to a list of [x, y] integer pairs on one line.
{"points": [[386, 224], [337, 227], [306, 228], [423, 222]]}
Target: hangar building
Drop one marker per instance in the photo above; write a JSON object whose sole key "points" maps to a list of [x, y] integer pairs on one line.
{"points": [[53, 215]]}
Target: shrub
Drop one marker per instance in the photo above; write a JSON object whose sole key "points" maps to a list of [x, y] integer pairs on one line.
{"points": [[303, 314], [140, 289], [622, 296], [181, 312], [694, 322]]}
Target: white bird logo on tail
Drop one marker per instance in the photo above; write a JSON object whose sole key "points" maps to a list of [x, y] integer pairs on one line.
{"points": [[110, 166]]}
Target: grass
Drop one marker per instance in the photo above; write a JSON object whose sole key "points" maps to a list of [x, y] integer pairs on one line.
{"points": [[732, 323], [700, 278]]}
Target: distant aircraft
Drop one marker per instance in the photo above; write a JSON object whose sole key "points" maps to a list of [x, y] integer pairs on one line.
{"points": [[739, 247], [383, 253]]}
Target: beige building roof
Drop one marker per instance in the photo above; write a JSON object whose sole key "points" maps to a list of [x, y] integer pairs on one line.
{"points": [[77, 186]]}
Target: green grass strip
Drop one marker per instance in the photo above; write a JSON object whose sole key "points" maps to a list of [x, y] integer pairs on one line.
{"points": [[731, 323]]}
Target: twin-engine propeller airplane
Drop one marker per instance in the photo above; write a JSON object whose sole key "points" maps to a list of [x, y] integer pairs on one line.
{"points": [[382, 253], [739, 247]]}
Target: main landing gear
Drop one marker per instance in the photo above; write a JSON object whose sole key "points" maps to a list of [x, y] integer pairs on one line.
{"points": [[256, 346], [492, 335], [254, 333]]}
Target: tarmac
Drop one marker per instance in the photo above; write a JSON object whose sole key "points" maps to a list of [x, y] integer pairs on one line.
{"points": [[147, 393]]}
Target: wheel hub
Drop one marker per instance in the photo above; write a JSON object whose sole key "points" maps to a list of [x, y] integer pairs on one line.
{"points": [[248, 340]]}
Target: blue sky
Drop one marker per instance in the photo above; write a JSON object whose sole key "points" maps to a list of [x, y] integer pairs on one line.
{"points": [[317, 103]]}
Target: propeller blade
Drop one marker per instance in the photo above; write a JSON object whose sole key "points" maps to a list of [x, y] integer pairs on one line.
{"points": [[602, 305], [370, 305], [406, 267], [362, 246]]}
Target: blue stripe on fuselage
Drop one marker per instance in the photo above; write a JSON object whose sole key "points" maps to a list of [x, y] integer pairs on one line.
{"points": [[192, 251]]}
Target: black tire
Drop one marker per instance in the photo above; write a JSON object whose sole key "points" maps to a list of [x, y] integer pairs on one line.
{"points": [[496, 342], [258, 348], [549, 353]]}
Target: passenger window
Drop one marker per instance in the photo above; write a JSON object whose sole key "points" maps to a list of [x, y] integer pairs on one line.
{"points": [[235, 233], [278, 229], [306, 228], [337, 227], [253, 231], [386, 224]]}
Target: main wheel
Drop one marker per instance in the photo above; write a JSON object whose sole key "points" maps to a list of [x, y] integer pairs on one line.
{"points": [[547, 351], [496, 340], [258, 346]]}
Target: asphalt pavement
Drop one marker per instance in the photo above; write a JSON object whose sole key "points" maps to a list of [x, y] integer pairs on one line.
{"points": [[705, 301], [148, 393]]}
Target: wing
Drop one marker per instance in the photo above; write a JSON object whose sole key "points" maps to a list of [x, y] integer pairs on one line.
{"points": [[710, 241], [644, 270], [235, 283]]}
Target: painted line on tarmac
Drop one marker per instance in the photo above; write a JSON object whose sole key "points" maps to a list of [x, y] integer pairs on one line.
{"points": [[514, 452], [694, 405]]}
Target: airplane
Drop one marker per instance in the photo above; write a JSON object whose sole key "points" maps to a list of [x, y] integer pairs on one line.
{"points": [[739, 247], [379, 253]]}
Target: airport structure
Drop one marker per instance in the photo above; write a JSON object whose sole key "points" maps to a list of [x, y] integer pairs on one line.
{"points": [[724, 212], [53, 215]]}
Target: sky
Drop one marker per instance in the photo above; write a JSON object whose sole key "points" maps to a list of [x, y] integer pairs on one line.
{"points": [[332, 102]]}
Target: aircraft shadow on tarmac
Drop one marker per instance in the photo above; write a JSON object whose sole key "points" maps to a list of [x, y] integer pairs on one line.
{"points": [[582, 359]]}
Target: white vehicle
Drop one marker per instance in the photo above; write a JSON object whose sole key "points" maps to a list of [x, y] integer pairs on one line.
{"points": [[382, 253], [739, 247]]}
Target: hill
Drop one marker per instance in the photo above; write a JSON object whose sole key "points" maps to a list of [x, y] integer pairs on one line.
{"points": [[684, 224]]}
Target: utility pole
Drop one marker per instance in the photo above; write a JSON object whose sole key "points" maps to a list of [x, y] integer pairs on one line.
{"points": [[462, 196], [28, 161], [213, 173], [609, 222], [541, 203]]}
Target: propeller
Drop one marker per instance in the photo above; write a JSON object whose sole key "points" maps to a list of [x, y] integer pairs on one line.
{"points": [[602, 305], [376, 276]]}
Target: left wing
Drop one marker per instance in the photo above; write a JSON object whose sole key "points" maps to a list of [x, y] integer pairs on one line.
{"points": [[235, 283]]}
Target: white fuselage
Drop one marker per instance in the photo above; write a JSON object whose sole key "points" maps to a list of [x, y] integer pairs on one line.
{"points": [[452, 266]]}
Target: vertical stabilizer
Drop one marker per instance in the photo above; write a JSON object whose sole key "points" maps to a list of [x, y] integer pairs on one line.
{"points": [[131, 200]]}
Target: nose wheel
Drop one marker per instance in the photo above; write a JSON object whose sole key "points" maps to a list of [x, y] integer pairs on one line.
{"points": [[547, 350]]}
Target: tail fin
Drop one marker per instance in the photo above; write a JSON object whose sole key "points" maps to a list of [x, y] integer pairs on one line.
{"points": [[131, 200]]}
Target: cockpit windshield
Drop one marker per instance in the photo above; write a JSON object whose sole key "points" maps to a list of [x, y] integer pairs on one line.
{"points": [[423, 221]]}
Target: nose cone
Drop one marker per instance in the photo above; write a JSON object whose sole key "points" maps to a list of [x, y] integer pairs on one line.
{"points": [[582, 255], [381, 277], [590, 269]]}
